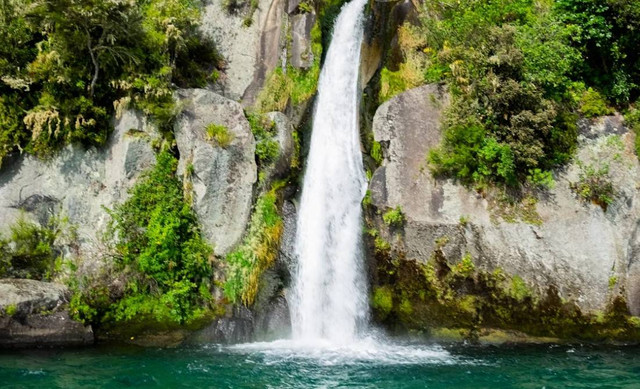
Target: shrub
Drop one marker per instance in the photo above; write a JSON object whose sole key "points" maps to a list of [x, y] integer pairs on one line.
{"points": [[267, 148], [158, 248], [394, 217], [594, 184], [30, 250], [220, 134], [593, 104]]}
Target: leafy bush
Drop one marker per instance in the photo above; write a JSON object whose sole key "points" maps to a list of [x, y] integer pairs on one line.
{"points": [[159, 248], [64, 63], [30, 250], [220, 134]]}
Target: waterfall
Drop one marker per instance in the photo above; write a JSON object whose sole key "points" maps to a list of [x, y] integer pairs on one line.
{"points": [[329, 300]]}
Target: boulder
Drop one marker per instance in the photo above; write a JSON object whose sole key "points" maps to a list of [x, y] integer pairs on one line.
{"points": [[34, 313], [77, 182], [588, 254], [301, 54], [222, 177]]}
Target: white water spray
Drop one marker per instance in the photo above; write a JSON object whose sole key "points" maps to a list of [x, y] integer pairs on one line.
{"points": [[329, 301]]}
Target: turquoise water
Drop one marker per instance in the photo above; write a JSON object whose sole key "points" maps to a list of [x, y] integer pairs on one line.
{"points": [[279, 366]]}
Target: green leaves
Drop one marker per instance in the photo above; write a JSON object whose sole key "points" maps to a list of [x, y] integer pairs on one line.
{"points": [[157, 238]]}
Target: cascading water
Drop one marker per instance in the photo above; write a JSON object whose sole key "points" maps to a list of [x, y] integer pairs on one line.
{"points": [[329, 306], [329, 299]]}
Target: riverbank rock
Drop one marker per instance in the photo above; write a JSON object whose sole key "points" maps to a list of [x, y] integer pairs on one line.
{"points": [[222, 176], [586, 252], [77, 183], [34, 313]]}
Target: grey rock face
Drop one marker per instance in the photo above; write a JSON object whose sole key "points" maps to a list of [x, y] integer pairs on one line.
{"points": [[222, 178], [250, 52], [236, 42], [301, 54], [578, 247], [33, 313], [284, 137], [77, 183]]}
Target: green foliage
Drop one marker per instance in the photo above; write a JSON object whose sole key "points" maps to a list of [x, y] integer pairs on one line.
{"points": [[159, 249], [257, 252], [267, 147], [632, 121], [394, 217], [291, 84], [508, 65], [376, 152], [67, 66], [593, 104], [518, 288], [220, 134], [607, 33], [30, 250], [594, 184], [465, 267], [541, 178]]}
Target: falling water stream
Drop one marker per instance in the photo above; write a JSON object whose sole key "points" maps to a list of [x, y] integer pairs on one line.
{"points": [[329, 299]]}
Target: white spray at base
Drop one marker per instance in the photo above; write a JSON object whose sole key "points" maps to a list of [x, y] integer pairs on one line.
{"points": [[329, 299]]}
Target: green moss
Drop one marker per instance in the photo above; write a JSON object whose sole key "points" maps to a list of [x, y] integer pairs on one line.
{"points": [[220, 134], [394, 217], [438, 297], [382, 301], [376, 152], [11, 309]]}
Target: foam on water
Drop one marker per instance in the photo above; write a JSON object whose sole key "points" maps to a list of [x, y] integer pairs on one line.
{"points": [[366, 351]]}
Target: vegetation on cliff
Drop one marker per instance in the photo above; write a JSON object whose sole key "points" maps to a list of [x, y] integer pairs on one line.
{"points": [[521, 73], [66, 66], [160, 261]]}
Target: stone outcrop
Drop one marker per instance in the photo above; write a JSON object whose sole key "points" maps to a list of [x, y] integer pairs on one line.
{"points": [[587, 253], [301, 54], [237, 43], [77, 183], [284, 137], [222, 177], [34, 313]]}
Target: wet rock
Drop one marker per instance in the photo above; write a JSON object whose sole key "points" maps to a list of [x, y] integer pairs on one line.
{"points": [[34, 313]]}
